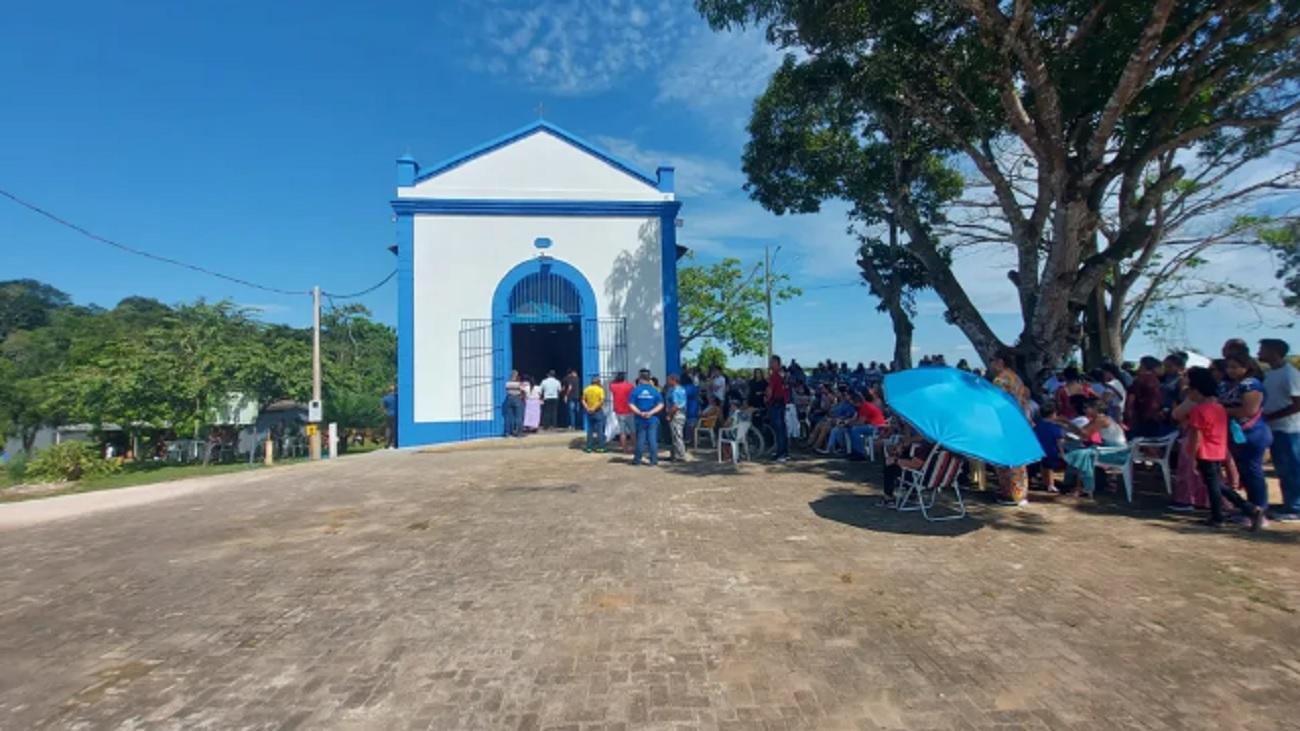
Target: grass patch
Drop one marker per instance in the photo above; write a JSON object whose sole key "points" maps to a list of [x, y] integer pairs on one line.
{"points": [[146, 473], [133, 475]]}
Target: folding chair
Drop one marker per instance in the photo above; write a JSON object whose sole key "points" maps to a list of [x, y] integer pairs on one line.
{"points": [[734, 436], [939, 473], [1154, 452]]}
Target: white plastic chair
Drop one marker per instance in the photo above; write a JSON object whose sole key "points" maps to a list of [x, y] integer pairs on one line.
{"points": [[1156, 452], [703, 429], [887, 434], [1125, 469], [734, 436]]}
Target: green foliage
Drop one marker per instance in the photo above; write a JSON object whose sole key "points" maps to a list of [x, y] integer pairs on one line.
{"points": [[16, 468], [26, 304], [145, 364], [710, 355], [724, 302], [359, 355], [1284, 241], [354, 410], [69, 461]]}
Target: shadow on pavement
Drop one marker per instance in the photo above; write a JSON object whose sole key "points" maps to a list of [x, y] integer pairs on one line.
{"points": [[864, 511]]}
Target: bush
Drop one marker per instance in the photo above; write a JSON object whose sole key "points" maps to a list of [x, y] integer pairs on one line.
{"points": [[69, 461], [17, 468]]}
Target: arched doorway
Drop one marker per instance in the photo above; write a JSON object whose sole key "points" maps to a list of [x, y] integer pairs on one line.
{"points": [[543, 318]]}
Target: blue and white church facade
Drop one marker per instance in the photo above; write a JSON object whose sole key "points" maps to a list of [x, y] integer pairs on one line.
{"points": [[536, 251]]}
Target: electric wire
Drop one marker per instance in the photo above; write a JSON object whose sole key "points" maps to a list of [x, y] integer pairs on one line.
{"points": [[176, 262]]}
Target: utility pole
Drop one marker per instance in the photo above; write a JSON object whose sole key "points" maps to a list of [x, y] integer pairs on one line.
{"points": [[314, 415], [767, 287]]}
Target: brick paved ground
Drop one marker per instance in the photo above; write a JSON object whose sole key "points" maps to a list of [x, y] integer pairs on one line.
{"points": [[539, 588]]}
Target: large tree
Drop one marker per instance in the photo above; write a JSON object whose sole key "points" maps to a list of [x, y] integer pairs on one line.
{"points": [[1098, 93], [806, 146]]}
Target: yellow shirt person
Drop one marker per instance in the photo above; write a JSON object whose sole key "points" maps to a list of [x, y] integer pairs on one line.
{"points": [[593, 397], [593, 400]]}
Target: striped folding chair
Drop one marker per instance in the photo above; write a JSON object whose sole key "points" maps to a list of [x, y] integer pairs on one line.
{"points": [[922, 487]]}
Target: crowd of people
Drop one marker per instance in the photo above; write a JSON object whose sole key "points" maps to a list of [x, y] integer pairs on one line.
{"points": [[1224, 418], [545, 405]]}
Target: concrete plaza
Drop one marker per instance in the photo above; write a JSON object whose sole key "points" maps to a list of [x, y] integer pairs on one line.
{"points": [[531, 586]]}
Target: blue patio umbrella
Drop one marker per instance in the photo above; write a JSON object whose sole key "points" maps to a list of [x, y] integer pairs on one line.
{"points": [[964, 414]]}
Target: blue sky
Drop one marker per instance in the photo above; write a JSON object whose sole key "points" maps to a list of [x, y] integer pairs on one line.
{"points": [[258, 139]]}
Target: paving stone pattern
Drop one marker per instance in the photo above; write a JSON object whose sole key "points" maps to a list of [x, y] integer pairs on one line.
{"points": [[538, 588]]}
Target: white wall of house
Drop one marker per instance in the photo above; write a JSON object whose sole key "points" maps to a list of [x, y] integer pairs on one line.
{"points": [[458, 261]]}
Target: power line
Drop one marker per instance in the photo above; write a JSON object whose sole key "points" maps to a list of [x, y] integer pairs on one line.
{"points": [[832, 286], [365, 291], [176, 262]]}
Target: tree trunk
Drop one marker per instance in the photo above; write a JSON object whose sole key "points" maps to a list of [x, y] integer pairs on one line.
{"points": [[961, 311], [902, 341], [1096, 331]]}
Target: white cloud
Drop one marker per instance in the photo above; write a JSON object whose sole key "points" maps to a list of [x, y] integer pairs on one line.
{"points": [[579, 48], [712, 69], [575, 48], [696, 174]]}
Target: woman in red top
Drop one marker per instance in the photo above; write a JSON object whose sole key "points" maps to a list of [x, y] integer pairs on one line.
{"points": [[1207, 424], [1071, 395]]}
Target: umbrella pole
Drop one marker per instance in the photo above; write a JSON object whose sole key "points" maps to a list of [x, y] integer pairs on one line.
{"points": [[979, 476]]}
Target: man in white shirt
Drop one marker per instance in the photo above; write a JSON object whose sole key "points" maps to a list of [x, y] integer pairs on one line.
{"points": [[550, 401], [1282, 412], [719, 386]]}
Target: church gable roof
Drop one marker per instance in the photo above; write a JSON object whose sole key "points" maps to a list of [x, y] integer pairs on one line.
{"points": [[540, 160]]}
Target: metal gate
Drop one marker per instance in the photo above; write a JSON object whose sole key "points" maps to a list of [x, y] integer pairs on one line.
{"points": [[607, 336], [478, 362]]}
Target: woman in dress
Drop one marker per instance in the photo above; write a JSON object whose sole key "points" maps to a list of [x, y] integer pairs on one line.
{"points": [[1243, 397], [1013, 482], [533, 405]]}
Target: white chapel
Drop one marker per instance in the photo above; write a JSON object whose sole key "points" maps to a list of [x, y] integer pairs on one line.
{"points": [[536, 251]]}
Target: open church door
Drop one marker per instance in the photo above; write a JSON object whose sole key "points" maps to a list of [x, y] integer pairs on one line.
{"points": [[479, 362]]}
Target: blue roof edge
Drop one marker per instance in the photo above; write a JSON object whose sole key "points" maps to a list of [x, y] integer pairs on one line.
{"points": [[456, 161]]}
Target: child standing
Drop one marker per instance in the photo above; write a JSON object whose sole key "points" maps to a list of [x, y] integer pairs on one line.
{"points": [[1207, 424], [1051, 437]]}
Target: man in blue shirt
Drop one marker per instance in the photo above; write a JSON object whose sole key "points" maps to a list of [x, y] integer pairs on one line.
{"points": [[692, 403], [677, 416], [389, 402], [646, 404]]}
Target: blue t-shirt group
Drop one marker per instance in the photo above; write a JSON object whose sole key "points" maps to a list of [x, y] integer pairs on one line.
{"points": [[645, 397], [692, 401]]}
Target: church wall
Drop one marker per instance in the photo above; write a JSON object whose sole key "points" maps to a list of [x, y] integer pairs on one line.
{"points": [[459, 260], [539, 167]]}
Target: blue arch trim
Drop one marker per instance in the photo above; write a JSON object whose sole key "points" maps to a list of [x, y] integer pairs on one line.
{"points": [[502, 318], [456, 161]]}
